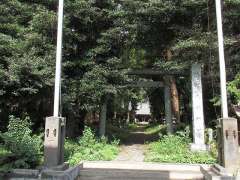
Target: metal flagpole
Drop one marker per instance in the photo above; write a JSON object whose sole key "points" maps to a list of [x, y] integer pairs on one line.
{"points": [[57, 91], [221, 60]]}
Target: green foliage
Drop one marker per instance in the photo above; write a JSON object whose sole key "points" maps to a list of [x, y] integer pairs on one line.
{"points": [[26, 58], [234, 89], [88, 147], [19, 141], [102, 41], [175, 149], [216, 100], [183, 132]]}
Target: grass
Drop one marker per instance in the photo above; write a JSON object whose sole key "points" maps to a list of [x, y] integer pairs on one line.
{"points": [[155, 128], [175, 149], [132, 127]]}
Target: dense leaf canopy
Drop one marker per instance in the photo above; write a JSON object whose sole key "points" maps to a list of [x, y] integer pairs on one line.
{"points": [[103, 39]]}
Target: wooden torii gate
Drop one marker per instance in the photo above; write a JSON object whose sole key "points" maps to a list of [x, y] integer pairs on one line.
{"points": [[156, 84], [197, 102], [167, 90]]}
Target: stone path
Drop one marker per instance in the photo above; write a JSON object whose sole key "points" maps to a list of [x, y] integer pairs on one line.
{"points": [[133, 148], [131, 153]]}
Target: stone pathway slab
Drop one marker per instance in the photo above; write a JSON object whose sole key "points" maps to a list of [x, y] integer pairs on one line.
{"points": [[131, 153]]}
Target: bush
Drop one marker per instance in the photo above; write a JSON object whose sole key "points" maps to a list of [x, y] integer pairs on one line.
{"points": [[88, 147], [24, 147], [175, 149]]}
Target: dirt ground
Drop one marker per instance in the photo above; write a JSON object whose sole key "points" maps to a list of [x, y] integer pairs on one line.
{"points": [[133, 147]]}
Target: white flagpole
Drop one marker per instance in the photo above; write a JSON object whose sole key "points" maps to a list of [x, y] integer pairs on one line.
{"points": [[57, 91], [221, 60]]}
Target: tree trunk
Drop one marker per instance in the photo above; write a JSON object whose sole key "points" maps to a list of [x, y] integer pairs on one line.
{"points": [[103, 118], [175, 99], [174, 91]]}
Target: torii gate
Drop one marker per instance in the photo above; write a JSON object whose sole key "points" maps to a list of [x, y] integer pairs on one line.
{"points": [[55, 126], [197, 101]]}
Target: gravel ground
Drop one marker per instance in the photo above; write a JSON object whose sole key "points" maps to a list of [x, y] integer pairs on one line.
{"points": [[133, 148], [131, 153]]}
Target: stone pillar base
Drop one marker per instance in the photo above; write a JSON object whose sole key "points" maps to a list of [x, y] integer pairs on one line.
{"points": [[61, 167], [199, 147], [228, 144], [54, 141]]}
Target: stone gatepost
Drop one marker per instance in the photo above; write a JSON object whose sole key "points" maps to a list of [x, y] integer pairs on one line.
{"points": [[168, 109], [54, 141], [197, 110], [228, 144]]}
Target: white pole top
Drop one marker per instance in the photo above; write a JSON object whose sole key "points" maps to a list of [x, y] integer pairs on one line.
{"points": [[57, 92], [221, 60]]}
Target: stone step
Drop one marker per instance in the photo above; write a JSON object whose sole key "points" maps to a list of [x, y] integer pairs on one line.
{"points": [[216, 172], [139, 171], [112, 174]]}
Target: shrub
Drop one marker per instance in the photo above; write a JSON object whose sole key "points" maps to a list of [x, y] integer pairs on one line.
{"points": [[175, 149], [88, 139], [70, 146], [24, 147], [88, 147]]}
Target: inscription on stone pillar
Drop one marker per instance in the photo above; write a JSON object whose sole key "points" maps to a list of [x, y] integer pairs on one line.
{"points": [[197, 109]]}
